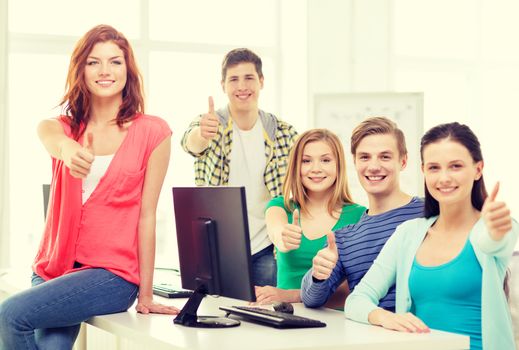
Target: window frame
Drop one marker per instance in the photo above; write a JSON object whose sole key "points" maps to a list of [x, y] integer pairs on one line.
{"points": [[27, 43]]}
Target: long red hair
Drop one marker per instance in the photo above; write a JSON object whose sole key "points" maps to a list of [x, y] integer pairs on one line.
{"points": [[76, 102]]}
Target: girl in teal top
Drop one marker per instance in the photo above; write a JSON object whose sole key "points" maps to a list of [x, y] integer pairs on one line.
{"points": [[449, 267], [315, 201], [434, 297]]}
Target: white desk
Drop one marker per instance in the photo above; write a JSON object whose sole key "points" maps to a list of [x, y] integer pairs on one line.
{"points": [[159, 332]]}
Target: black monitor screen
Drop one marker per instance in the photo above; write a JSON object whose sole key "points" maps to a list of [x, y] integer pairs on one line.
{"points": [[213, 240]]}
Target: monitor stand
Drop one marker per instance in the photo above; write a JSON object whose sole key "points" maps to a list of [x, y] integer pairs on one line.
{"points": [[188, 317]]}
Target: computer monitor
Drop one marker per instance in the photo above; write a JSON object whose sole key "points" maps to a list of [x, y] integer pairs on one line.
{"points": [[213, 248]]}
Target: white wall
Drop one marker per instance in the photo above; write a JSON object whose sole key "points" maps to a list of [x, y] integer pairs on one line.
{"points": [[293, 63], [465, 69]]}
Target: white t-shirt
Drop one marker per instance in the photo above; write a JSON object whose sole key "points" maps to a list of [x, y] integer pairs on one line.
{"points": [[247, 166], [97, 170]]}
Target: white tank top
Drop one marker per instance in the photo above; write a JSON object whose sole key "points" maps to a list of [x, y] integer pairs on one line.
{"points": [[98, 169]]}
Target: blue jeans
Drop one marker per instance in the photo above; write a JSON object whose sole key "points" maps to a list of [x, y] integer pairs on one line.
{"points": [[264, 267], [49, 315]]}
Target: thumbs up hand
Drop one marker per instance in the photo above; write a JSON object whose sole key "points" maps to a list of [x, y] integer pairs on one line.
{"points": [[209, 122], [496, 215], [78, 158], [325, 260], [291, 234]]}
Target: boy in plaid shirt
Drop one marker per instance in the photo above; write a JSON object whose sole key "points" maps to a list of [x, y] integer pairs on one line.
{"points": [[241, 145]]}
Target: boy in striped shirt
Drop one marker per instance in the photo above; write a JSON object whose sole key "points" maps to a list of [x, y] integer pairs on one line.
{"points": [[380, 154]]}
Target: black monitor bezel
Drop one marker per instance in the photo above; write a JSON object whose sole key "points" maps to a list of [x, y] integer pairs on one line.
{"points": [[214, 249]]}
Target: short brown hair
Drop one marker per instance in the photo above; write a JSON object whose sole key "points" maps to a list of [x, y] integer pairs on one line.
{"points": [[378, 126], [293, 190], [241, 55]]}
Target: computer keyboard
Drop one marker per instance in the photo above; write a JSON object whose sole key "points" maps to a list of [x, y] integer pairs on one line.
{"points": [[272, 318], [167, 291]]}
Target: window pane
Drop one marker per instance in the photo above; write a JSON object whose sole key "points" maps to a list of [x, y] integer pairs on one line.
{"points": [[179, 85], [234, 22], [441, 28], [65, 17], [499, 29], [33, 94]]}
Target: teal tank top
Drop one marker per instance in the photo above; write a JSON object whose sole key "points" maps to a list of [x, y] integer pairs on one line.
{"points": [[448, 297]]}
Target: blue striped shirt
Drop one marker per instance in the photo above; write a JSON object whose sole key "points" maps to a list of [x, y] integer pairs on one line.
{"points": [[358, 246]]}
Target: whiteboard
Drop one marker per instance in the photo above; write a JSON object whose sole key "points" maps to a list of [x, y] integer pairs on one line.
{"points": [[341, 113]]}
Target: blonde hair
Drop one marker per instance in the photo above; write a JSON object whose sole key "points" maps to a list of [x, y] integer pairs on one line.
{"points": [[293, 190]]}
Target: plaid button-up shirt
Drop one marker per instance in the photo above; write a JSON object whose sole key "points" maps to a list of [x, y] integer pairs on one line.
{"points": [[212, 165]]}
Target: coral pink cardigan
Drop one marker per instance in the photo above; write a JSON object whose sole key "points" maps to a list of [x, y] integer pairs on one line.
{"points": [[103, 232]]}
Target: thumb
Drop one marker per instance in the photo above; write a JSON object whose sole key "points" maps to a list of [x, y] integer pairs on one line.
{"points": [[211, 104], [89, 143], [330, 238], [493, 194], [295, 217]]}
